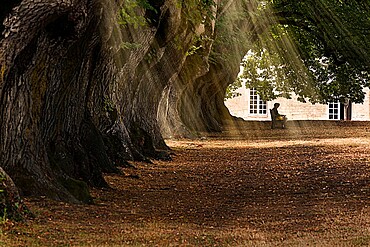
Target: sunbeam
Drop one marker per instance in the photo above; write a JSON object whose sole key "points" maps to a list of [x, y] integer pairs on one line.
{"points": [[304, 51]]}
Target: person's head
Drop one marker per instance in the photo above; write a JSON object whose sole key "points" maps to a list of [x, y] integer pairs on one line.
{"points": [[276, 105]]}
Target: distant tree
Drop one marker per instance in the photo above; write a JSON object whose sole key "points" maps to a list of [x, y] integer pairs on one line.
{"points": [[315, 48]]}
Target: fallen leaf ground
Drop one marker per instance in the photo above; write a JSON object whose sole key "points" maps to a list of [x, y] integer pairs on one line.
{"points": [[307, 185]]}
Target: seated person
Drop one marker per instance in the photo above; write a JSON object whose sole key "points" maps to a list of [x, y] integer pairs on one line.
{"points": [[276, 116]]}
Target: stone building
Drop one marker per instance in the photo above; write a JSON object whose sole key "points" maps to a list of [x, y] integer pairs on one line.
{"points": [[249, 106]]}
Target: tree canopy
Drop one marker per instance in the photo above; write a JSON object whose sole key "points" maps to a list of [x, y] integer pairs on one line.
{"points": [[314, 48]]}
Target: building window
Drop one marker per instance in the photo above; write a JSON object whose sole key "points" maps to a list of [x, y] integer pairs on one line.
{"points": [[334, 111], [257, 106]]}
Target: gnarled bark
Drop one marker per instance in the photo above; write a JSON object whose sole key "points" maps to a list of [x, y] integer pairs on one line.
{"points": [[81, 95]]}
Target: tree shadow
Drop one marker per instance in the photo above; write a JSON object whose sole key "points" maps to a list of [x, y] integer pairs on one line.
{"points": [[294, 188]]}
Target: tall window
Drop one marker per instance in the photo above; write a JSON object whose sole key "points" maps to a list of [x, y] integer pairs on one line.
{"points": [[334, 110], [257, 106]]}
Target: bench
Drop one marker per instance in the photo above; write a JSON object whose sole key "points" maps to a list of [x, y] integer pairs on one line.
{"points": [[277, 121]]}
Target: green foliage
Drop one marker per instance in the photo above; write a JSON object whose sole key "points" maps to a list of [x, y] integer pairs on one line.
{"points": [[261, 73], [130, 45], [199, 43], [197, 11], [333, 39], [4, 217], [150, 55], [230, 37], [275, 70], [146, 5], [131, 13], [315, 48], [108, 105], [231, 90], [192, 50]]}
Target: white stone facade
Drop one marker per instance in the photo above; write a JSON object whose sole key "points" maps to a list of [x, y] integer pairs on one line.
{"points": [[294, 110]]}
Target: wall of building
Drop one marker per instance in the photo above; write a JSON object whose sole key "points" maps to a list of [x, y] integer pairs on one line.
{"points": [[293, 109], [361, 112]]}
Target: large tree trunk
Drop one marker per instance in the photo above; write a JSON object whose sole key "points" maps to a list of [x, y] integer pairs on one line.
{"points": [[44, 96], [58, 117], [195, 100], [79, 94]]}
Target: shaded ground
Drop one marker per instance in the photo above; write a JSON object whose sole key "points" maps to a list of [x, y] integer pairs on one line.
{"points": [[306, 185]]}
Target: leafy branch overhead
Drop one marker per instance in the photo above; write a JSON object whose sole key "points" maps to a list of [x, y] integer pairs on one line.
{"points": [[130, 14], [197, 10], [316, 49]]}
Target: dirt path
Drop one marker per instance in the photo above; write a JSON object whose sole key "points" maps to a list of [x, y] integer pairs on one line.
{"points": [[294, 187]]}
